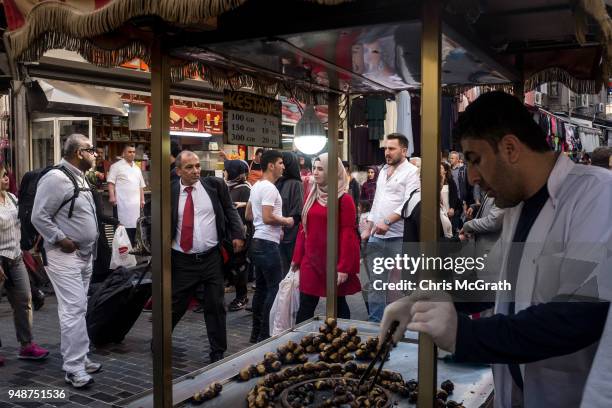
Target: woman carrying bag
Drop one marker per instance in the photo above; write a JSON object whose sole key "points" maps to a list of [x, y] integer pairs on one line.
{"points": [[13, 274], [311, 247]]}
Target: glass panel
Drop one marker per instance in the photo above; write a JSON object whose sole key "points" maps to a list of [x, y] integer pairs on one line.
{"points": [[69, 126], [42, 144]]}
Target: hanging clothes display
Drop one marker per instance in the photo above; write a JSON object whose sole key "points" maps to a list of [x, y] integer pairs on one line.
{"points": [[364, 152], [375, 113], [390, 116], [404, 119], [589, 139], [564, 136], [448, 118]]}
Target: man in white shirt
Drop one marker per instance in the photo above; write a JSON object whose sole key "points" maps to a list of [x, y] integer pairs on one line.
{"points": [[384, 231], [555, 241], [265, 208], [126, 190], [200, 208]]}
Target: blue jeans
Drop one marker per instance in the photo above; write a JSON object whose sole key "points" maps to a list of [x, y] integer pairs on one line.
{"points": [[379, 247], [266, 260]]}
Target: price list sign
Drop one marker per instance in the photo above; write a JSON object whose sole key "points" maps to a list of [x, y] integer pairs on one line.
{"points": [[251, 120]]}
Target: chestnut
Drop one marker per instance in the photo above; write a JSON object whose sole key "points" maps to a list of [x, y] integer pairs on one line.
{"points": [[441, 394], [448, 386], [244, 375], [331, 322]]}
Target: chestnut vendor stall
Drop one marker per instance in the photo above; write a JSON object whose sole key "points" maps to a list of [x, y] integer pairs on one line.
{"points": [[308, 50]]}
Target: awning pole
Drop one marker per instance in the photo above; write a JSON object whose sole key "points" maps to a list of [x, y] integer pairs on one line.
{"points": [[332, 206], [160, 236], [430, 173]]}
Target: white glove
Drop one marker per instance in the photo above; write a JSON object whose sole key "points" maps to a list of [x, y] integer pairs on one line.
{"points": [[397, 311], [437, 318]]}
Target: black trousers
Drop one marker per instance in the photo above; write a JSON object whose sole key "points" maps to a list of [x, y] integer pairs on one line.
{"points": [[265, 257], [308, 305], [187, 274], [286, 251]]}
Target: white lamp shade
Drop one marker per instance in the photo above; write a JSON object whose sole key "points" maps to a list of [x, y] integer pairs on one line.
{"points": [[310, 136], [310, 144]]}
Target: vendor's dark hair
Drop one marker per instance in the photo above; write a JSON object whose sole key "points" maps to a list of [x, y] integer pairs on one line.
{"points": [[496, 114], [270, 156], [401, 139]]}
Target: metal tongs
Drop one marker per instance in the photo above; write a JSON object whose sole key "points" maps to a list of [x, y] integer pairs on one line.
{"points": [[383, 354]]}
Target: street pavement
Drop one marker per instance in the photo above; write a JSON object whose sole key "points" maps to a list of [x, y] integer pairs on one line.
{"points": [[127, 367]]}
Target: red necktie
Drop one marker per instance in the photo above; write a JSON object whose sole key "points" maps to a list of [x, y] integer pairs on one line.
{"points": [[187, 226]]}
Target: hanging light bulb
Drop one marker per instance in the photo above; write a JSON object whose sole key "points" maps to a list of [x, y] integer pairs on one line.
{"points": [[310, 136]]}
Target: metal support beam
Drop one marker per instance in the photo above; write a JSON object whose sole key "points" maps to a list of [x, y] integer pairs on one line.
{"points": [[21, 129], [430, 173], [332, 206], [161, 237]]}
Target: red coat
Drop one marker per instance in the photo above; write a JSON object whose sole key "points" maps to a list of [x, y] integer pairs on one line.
{"points": [[310, 252]]}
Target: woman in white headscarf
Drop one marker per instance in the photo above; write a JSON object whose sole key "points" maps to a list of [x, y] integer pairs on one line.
{"points": [[311, 247]]}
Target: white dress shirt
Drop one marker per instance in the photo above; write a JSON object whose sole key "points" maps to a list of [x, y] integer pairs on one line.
{"points": [[391, 194], [565, 252], [204, 220], [128, 181]]}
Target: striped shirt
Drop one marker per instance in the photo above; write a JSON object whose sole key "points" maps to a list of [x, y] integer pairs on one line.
{"points": [[10, 232]]}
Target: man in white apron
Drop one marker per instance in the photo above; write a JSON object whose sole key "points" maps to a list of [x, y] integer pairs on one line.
{"points": [[556, 233], [126, 190]]}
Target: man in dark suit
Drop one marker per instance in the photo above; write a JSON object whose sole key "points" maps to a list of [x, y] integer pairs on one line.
{"points": [[203, 216]]}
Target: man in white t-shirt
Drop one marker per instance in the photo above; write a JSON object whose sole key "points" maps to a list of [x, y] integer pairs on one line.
{"points": [[265, 209], [126, 190]]}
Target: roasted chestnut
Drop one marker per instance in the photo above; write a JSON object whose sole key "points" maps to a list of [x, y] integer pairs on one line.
{"points": [[448, 386], [331, 322], [441, 394], [413, 397], [244, 374]]}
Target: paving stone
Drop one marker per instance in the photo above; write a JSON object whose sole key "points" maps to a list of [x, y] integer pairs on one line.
{"points": [[102, 396], [127, 367], [81, 399]]}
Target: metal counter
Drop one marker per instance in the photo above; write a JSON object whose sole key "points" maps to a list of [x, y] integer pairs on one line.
{"points": [[473, 384]]}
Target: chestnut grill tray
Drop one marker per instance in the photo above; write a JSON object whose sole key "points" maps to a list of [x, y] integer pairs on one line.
{"points": [[473, 383], [321, 396]]}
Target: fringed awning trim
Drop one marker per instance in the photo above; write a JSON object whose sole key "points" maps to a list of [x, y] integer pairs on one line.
{"points": [[88, 50], [580, 86], [220, 79], [72, 24]]}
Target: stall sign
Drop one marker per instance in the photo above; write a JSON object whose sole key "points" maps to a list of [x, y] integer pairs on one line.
{"points": [[194, 119], [251, 120]]}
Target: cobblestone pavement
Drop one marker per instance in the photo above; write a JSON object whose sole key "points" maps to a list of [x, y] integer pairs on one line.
{"points": [[127, 367]]}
